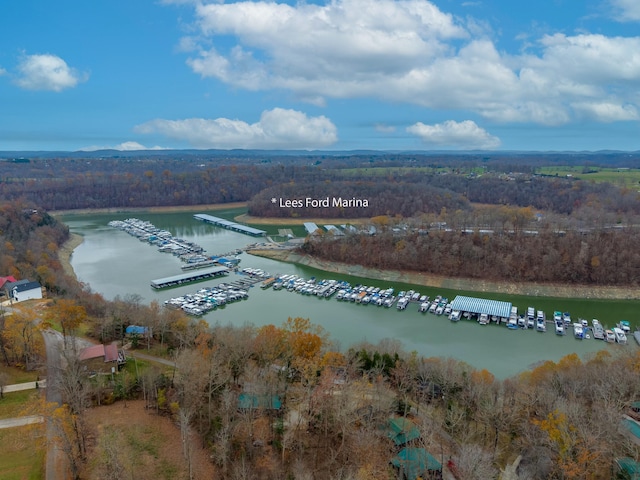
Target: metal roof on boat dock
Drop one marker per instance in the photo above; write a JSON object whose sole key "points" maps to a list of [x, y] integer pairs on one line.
{"points": [[481, 305], [229, 224], [189, 277], [311, 227]]}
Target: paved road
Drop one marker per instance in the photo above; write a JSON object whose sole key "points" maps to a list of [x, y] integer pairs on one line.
{"points": [[20, 421], [18, 387], [54, 342]]}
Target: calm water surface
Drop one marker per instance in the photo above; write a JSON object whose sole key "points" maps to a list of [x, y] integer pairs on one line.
{"points": [[115, 263]]}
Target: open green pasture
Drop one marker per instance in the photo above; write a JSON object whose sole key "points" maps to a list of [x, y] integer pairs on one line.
{"points": [[403, 171], [21, 458], [13, 404], [618, 176]]}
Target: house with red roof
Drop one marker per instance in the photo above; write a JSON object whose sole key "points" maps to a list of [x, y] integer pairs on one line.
{"points": [[101, 358]]}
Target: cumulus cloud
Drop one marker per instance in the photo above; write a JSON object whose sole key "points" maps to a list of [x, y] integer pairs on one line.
{"points": [[412, 52], [2, 71], [46, 72], [124, 147], [626, 10], [277, 128], [465, 135]]}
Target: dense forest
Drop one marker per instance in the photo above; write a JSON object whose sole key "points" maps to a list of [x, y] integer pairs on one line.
{"points": [[603, 257], [401, 185], [29, 243]]}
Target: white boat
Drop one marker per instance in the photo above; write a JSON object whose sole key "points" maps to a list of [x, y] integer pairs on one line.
{"points": [[598, 331], [424, 307], [621, 337], [512, 323], [559, 327], [455, 316], [541, 324], [567, 318], [483, 319], [402, 303], [578, 331]]}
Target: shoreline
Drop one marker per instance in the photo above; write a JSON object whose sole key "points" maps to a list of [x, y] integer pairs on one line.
{"points": [[430, 280], [66, 251], [417, 278], [246, 218], [167, 209]]}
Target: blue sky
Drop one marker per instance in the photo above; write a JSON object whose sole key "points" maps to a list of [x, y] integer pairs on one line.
{"points": [[334, 75]]}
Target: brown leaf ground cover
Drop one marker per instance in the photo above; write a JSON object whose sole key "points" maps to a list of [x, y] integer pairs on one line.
{"points": [[140, 444]]}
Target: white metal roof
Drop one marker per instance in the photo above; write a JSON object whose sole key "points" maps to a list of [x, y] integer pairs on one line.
{"points": [[481, 305]]}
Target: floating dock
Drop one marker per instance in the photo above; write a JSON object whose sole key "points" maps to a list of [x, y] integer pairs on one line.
{"points": [[236, 227], [189, 277]]}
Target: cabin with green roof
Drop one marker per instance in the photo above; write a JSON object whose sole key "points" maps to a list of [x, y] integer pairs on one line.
{"points": [[628, 469], [402, 430], [414, 463]]}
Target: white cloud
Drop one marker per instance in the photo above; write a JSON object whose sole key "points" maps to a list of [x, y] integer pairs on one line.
{"points": [[626, 10], [125, 147], [46, 72], [2, 72], [409, 51], [466, 135], [607, 112], [277, 128]]}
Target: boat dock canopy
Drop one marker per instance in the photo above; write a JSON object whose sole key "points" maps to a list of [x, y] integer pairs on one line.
{"points": [[482, 305], [189, 277], [229, 225], [310, 227]]}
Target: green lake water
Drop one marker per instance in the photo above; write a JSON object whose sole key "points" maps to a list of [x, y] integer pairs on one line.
{"points": [[115, 263]]}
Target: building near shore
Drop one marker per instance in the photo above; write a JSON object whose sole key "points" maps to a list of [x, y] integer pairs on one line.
{"points": [[22, 290]]}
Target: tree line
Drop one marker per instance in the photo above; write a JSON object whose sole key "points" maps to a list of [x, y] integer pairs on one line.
{"points": [[57, 184], [602, 257]]}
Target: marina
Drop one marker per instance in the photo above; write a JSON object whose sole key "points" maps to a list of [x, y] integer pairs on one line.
{"points": [[185, 278], [229, 225], [483, 311], [114, 265], [192, 254]]}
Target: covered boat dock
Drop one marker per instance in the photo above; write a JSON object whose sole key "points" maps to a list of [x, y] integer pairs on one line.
{"points": [[189, 277], [482, 305], [229, 225]]}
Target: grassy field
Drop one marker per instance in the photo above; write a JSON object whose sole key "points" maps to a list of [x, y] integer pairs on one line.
{"points": [[20, 458], [17, 375], [618, 176], [381, 171], [14, 403]]}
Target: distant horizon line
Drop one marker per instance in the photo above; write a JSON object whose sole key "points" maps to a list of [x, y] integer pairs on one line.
{"points": [[161, 152]]}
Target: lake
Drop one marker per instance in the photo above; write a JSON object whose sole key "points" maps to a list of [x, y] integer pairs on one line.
{"points": [[114, 264]]}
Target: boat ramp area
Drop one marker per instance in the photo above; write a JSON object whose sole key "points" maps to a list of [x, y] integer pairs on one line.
{"points": [[184, 278], [229, 225]]}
